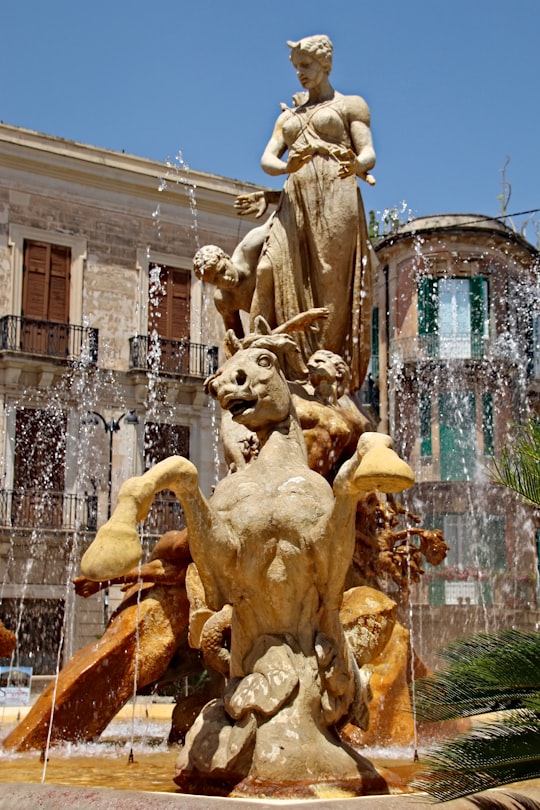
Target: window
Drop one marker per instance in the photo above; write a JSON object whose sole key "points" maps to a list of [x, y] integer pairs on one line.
{"points": [[161, 441], [457, 436], [476, 551], [38, 623], [45, 299], [169, 316], [477, 542], [453, 316], [21, 238], [46, 281], [38, 468]]}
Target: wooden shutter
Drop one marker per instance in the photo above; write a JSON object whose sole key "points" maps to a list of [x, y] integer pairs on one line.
{"points": [[35, 280], [478, 305], [170, 315], [428, 315], [46, 282], [58, 305], [428, 306]]}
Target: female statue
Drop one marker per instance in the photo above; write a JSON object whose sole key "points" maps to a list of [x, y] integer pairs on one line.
{"points": [[317, 253]]}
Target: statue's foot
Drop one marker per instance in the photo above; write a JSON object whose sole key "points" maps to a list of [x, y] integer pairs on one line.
{"points": [[116, 549]]}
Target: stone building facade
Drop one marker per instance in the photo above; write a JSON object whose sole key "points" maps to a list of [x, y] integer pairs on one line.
{"points": [[457, 359], [106, 337]]}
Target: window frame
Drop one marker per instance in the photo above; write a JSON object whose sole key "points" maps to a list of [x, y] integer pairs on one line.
{"points": [[18, 235]]}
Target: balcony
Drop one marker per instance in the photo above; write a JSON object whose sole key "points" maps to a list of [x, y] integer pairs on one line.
{"points": [[176, 357], [465, 346], [45, 509], [61, 341]]}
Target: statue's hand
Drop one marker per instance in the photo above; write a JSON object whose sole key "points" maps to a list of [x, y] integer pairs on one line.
{"points": [[348, 165], [249, 204], [368, 178], [298, 159], [309, 319], [86, 587]]}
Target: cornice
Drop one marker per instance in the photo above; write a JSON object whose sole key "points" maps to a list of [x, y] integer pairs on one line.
{"points": [[79, 164], [468, 227]]}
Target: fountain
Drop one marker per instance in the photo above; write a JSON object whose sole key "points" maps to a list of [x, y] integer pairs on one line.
{"points": [[276, 582]]}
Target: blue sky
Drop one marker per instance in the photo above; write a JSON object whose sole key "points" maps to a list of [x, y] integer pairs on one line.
{"points": [[453, 87]]}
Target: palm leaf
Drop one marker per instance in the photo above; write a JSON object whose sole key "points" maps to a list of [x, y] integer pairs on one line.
{"points": [[491, 755], [484, 673], [519, 465]]}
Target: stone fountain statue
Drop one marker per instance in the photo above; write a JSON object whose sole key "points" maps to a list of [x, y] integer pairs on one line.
{"points": [[276, 528], [279, 568]]}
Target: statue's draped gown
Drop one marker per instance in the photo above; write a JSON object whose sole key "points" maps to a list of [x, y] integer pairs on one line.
{"points": [[317, 243]]}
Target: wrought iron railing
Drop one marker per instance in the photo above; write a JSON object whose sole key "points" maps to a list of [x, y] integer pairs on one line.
{"points": [[178, 357], [440, 347], [45, 509], [165, 515], [60, 340]]}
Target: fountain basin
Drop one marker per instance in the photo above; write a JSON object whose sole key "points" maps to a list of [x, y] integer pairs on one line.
{"points": [[59, 797]]}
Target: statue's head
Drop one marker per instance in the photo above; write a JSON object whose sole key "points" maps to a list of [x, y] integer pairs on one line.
{"points": [[326, 366], [318, 47], [213, 265]]}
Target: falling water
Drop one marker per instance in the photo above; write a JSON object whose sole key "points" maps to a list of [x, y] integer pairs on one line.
{"points": [[484, 586]]}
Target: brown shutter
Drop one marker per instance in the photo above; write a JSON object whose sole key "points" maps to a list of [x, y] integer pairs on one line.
{"points": [[46, 282], [157, 314], [179, 304], [170, 315], [35, 280], [58, 309]]}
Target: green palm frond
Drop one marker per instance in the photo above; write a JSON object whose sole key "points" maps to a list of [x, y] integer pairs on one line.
{"points": [[491, 755], [484, 673], [519, 465]]}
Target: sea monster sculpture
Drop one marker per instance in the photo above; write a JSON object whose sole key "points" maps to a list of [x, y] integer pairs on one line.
{"points": [[276, 528]]}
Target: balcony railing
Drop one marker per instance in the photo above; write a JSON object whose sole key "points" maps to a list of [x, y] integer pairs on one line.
{"points": [[165, 515], [60, 340], [440, 347], [178, 357], [44, 509]]}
